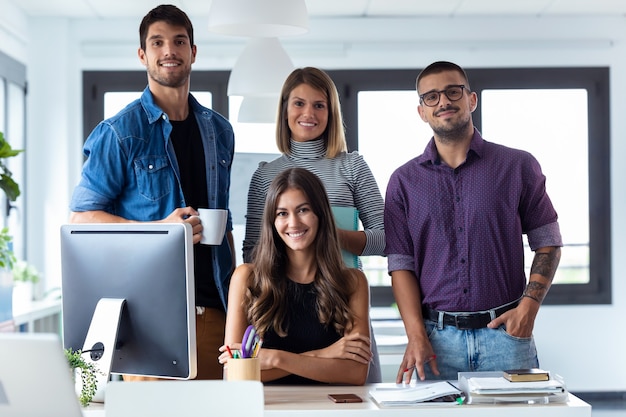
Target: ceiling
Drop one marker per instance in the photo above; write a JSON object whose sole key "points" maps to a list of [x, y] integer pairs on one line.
{"points": [[109, 9]]}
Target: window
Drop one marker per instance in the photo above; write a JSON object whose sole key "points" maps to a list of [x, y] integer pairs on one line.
{"points": [[129, 84], [574, 143], [560, 115], [114, 101], [545, 137]]}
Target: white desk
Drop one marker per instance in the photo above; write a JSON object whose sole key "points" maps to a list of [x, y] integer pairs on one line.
{"points": [[313, 401], [39, 316]]}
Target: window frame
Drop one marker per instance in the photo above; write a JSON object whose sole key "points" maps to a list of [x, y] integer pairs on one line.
{"points": [[97, 83], [596, 80]]}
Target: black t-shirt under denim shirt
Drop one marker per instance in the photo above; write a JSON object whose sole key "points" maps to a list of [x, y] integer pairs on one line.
{"points": [[189, 150]]}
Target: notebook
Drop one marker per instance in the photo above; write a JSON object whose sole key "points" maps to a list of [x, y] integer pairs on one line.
{"points": [[347, 218], [421, 394], [35, 379], [184, 398]]}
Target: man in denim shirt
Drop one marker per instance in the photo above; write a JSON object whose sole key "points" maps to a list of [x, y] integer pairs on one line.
{"points": [[160, 159]]}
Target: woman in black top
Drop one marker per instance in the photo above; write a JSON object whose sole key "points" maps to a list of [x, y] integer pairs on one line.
{"points": [[311, 311]]}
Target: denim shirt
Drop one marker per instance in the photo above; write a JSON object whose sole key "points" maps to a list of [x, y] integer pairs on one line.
{"points": [[131, 170]]}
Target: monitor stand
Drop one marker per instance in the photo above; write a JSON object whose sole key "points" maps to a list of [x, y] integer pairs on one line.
{"points": [[101, 340]]}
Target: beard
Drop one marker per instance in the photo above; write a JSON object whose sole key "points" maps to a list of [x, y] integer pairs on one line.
{"points": [[177, 79], [453, 132]]}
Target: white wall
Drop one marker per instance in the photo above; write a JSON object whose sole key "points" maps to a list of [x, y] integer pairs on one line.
{"points": [[13, 31], [584, 344]]}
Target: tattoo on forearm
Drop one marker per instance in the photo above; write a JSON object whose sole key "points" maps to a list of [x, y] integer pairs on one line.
{"points": [[535, 290], [544, 264]]}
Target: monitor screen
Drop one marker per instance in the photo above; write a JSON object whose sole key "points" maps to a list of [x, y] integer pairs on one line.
{"points": [[150, 266]]}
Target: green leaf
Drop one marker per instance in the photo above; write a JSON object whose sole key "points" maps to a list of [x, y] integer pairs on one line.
{"points": [[7, 257], [7, 184], [89, 380], [5, 148], [10, 187]]}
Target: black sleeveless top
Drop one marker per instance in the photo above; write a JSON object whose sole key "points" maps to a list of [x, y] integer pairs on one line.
{"points": [[304, 330]]}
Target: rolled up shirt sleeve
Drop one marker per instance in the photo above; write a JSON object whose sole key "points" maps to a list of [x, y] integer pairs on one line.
{"points": [[547, 235]]}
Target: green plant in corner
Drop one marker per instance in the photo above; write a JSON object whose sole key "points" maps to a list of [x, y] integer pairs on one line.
{"points": [[12, 191], [8, 185], [88, 371], [7, 258]]}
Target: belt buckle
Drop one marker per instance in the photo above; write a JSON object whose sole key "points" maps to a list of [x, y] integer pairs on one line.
{"points": [[463, 321]]}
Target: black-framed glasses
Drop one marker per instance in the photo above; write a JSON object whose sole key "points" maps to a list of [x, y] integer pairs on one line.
{"points": [[431, 98]]}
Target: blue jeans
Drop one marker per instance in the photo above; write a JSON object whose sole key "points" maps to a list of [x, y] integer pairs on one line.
{"points": [[478, 350]]}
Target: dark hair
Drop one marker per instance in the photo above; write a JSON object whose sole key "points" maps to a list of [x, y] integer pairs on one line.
{"points": [[165, 13], [334, 135], [267, 286], [441, 66]]}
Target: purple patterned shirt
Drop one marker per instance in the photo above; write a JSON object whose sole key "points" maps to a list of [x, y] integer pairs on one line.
{"points": [[460, 230]]}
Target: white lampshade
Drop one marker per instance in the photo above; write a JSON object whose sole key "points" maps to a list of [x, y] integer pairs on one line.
{"points": [[260, 70], [267, 18], [256, 109]]}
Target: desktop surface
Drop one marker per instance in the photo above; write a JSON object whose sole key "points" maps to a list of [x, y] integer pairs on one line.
{"points": [[313, 401]]}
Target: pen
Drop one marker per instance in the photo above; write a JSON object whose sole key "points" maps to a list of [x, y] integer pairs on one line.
{"points": [[425, 362], [257, 348], [230, 353]]}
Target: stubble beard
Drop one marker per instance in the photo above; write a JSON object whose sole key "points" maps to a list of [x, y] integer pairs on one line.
{"points": [[170, 80], [452, 133]]}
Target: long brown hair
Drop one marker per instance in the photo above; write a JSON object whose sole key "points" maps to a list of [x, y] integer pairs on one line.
{"points": [[334, 135], [267, 286]]}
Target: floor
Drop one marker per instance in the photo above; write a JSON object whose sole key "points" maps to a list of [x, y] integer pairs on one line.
{"points": [[608, 409], [599, 412]]}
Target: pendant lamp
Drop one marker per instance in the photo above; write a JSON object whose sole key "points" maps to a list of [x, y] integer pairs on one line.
{"points": [[266, 18], [257, 109], [260, 70]]}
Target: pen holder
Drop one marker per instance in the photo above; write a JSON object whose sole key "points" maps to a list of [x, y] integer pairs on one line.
{"points": [[248, 369]]}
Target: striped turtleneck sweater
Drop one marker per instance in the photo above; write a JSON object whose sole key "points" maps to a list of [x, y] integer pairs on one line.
{"points": [[348, 180]]}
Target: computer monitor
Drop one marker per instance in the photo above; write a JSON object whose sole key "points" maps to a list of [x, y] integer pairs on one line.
{"points": [[145, 271]]}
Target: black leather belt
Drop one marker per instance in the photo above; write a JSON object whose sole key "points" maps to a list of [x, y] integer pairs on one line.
{"points": [[467, 321]]}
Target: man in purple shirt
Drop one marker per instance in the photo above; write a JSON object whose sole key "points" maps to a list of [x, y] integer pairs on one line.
{"points": [[454, 220]]}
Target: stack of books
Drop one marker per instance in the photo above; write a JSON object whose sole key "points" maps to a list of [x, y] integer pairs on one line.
{"points": [[521, 386]]}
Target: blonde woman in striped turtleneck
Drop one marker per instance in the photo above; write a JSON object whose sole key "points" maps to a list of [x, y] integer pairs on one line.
{"points": [[310, 134]]}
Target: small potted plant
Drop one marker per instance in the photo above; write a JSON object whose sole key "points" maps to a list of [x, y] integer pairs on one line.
{"points": [[88, 375]]}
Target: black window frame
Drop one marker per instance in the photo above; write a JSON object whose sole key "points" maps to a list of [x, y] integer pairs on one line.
{"points": [[596, 80], [97, 83]]}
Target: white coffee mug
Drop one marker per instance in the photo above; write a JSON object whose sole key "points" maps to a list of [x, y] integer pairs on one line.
{"points": [[213, 225]]}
